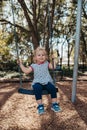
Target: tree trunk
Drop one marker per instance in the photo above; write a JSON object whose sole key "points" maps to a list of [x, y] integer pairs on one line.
{"points": [[34, 32]]}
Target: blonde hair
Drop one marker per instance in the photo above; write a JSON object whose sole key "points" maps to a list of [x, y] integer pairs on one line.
{"points": [[37, 50]]}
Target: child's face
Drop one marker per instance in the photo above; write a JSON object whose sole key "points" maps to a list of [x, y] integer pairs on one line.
{"points": [[40, 56]]}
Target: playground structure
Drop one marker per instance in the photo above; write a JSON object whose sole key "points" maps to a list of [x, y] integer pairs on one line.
{"points": [[77, 40]]}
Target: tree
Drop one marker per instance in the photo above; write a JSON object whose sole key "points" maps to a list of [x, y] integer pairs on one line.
{"points": [[4, 47], [37, 21]]}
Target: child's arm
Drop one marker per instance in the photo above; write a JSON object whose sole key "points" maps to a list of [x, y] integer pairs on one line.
{"points": [[23, 68]]}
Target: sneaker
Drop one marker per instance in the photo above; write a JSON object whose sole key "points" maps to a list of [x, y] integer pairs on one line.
{"points": [[40, 109], [55, 107]]}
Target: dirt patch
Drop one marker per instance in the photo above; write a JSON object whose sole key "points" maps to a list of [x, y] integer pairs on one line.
{"points": [[19, 112]]}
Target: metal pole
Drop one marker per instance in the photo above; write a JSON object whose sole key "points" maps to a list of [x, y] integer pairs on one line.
{"points": [[77, 41]]}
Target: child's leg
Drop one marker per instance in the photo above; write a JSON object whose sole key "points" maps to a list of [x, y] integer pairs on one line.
{"points": [[52, 90], [38, 95], [38, 92], [55, 106]]}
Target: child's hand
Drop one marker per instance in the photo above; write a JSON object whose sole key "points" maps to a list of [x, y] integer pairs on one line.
{"points": [[53, 57], [19, 61]]}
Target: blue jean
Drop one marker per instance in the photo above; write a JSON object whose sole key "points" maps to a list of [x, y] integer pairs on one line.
{"points": [[37, 87]]}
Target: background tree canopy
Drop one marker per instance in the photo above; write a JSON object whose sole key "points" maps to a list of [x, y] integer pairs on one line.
{"points": [[37, 22]]}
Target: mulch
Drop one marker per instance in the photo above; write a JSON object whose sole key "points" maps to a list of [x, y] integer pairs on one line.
{"points": [[19, 112]]}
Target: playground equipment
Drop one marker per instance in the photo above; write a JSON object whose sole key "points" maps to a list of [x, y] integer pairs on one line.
{"points": [[77, 40]]}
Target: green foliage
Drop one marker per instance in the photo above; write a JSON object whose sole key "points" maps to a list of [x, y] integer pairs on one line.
{"points": [[9, 65], [5, 40], [32, 25], [67, 72]]}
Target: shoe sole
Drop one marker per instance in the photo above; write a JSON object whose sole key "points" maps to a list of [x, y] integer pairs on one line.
{"points": [[41, 113], [55, 111]]}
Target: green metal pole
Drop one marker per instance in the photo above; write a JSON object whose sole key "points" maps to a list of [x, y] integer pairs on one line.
{"points": [[77, 41]]}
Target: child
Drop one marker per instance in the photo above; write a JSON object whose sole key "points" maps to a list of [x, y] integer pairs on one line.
{"points": [[42, 78]]}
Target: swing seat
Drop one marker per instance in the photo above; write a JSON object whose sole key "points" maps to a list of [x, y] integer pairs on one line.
{"points": [[31, 92]]}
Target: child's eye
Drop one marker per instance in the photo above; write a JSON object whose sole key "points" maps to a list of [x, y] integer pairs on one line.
{"points": [[41, 55], [38, 55]]}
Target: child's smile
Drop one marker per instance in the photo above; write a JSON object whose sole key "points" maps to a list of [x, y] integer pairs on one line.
{"points": [[40, 57]]}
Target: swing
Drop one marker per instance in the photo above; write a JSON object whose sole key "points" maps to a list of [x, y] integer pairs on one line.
{"points": [[21, 89], [31, 92]]}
